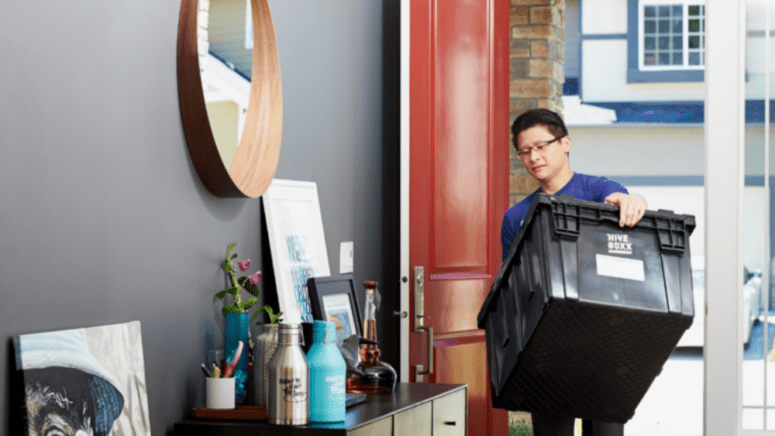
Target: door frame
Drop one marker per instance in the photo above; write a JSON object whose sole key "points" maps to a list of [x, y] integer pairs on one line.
{"points": [[724, 173], [403, 279]]}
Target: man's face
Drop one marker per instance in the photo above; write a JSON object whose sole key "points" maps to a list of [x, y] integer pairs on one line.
{"points": [[543, 162]]}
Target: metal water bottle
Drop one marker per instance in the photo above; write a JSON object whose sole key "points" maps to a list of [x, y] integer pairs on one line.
{"points": [[288, 379]]}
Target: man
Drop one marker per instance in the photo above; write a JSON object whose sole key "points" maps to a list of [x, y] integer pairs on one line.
{"points": [[543, 144]]}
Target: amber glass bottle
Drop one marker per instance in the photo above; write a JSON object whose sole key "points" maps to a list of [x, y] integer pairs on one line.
{"points": [[378, 377]]}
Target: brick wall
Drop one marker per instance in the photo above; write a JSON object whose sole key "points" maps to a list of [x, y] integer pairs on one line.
{"points": [[537, 73]]}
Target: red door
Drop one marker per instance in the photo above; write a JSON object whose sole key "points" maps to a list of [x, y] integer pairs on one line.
{"points": [[459, 166]]}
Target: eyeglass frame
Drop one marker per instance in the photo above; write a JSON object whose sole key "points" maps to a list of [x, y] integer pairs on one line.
{"points": [[529, 151]]}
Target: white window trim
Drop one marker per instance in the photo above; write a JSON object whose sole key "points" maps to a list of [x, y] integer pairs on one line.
{"points": [[724, 171], [685, 46], [248, 25]]}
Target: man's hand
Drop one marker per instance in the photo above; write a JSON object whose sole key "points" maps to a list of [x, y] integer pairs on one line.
{"points": [[631, 207]]}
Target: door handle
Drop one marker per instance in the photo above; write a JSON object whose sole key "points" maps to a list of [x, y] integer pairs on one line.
{"points": [[429, 361], [419, 299], [419, 322]]}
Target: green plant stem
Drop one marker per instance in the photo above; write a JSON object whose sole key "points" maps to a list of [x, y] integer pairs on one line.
{"points": [[234, 284]]}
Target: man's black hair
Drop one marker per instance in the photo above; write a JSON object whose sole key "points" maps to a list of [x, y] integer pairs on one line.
{"points": [[538, 117]]}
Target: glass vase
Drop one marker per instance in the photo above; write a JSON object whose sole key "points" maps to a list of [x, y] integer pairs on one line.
{"points": [[237, 325]]}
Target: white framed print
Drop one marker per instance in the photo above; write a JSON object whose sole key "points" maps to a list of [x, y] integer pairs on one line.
{"points": [[297, 243]]}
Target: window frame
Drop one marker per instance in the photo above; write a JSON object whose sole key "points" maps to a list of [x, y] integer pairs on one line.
{"points": [[637, 72], [248, 25]]}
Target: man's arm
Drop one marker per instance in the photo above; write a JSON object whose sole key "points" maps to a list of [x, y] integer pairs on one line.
{"points": [[631, 207]]}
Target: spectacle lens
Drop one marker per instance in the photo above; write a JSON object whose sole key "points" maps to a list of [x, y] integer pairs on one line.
{"points": [[538, 147]]}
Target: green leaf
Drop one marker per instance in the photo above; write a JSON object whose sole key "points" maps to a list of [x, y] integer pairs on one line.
{"points": [[249, 303], [266, 308], [233, 291], [241, 281], [229, 250], [234, 256], [272, 317], [222, 293], [250, 287], [230, 308]]}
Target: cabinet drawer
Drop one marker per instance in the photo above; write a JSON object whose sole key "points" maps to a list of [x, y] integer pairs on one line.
{"points": [[450, 414], [383, 427], [413, 422]]}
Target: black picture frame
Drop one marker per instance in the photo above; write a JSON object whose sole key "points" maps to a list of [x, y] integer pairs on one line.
{"points": [[333, 298]]}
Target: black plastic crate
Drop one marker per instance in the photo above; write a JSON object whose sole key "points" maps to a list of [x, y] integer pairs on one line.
{"points": [[583, 313]]}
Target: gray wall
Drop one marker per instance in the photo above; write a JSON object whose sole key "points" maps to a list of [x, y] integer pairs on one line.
{"points": [[103, 218]]}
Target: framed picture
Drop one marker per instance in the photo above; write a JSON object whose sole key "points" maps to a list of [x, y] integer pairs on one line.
{"points": [[297, 243], [334, 299], [92, 379]]}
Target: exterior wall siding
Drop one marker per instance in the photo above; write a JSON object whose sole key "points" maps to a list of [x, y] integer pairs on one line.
{"points": [[604, 77], [603, 16]]}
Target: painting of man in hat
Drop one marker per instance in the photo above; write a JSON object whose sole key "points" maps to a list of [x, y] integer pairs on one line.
{"points": [[84, 382]]}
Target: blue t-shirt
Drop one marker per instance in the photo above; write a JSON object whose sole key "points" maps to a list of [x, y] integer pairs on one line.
{"points": [[580, 186]]}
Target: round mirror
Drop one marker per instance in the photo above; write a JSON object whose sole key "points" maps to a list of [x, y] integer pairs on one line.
{"points": [[232, 116]]}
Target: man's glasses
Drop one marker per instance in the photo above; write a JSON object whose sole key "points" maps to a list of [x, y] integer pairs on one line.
{"points": [[525, 152]]}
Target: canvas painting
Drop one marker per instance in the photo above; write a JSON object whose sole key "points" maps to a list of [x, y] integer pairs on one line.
{"points": [[84, 382]]}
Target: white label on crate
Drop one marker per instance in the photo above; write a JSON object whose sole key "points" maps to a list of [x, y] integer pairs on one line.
{"points": [[619, 243], [620, 267]]}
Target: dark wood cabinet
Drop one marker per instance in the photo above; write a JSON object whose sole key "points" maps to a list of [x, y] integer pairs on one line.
{"points": [[412, 409]]}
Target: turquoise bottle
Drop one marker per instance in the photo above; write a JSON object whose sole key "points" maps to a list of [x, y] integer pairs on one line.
{"points": [[327, 371]]}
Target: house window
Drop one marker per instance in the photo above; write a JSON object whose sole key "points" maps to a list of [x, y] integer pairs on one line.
{"points": [[673, 35], [666, 40]]}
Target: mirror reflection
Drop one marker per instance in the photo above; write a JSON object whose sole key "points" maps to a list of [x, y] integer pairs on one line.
{"points": [[225, 45]]}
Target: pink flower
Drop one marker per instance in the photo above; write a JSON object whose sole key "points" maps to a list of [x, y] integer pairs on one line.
{"points": [[255, 278], [244, 264]]}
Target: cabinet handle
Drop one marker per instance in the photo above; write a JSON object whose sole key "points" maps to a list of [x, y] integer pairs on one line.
{"points": [[449, 423]]}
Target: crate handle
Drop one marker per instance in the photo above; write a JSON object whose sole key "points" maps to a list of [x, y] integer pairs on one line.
{"points": [[671, 234]]}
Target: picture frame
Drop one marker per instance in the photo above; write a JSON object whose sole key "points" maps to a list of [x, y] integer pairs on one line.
{"points": [[96, 375], [334, 299], [297, 244]]}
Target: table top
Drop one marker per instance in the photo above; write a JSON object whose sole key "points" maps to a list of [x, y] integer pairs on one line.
{"points": [[376, 407]]}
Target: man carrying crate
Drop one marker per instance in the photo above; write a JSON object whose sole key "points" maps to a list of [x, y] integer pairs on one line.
{"points": [[543, 144]]}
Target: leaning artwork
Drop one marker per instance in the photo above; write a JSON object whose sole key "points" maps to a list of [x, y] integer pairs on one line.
{"points": [[84, 382]]}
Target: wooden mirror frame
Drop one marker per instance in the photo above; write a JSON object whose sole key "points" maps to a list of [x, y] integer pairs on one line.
{"points": [[259, 147]]}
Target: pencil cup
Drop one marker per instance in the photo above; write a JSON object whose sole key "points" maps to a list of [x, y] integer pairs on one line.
{"points": [[220, 393]]}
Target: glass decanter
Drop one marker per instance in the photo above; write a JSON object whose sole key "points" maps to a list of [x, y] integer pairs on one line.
{"points": [[378, 377]]}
